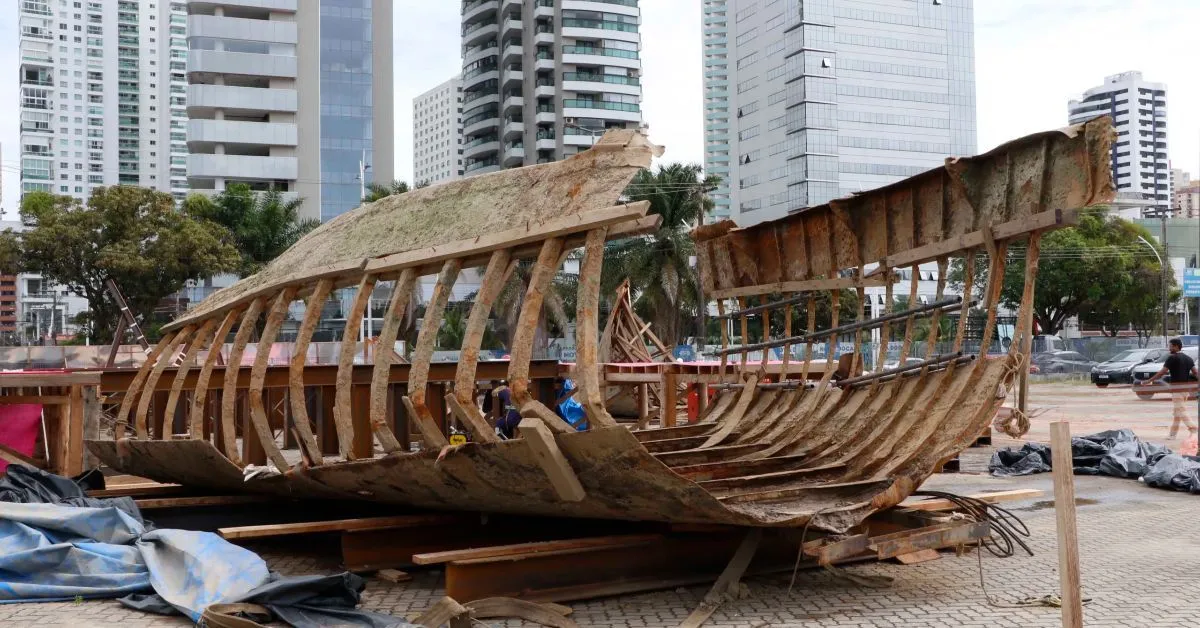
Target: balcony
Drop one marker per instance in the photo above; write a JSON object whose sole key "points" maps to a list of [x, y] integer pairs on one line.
{"points": [[248, 167], [583, 108], [480, 122], [514, 154], [474, 10], [237, 28], [511, 24], [543, 38], [244, 63], [512, 53], [481, 147], [542, 90], [595, 55], [514, 101], [480, 75], [489, 49], [618, 6], [477, 33], [545, 142], [237, 132], [249, 99], [543, 9], [475, 166], [605, 25], [513, 128]]}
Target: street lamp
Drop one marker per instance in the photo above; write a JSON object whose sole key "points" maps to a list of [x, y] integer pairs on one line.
{"points": [[1163, 280], [595, 133]]}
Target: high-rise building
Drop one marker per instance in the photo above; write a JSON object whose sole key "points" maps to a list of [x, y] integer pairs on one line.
{"points": [[543, 79], [291, 95], [102, 87], [810, 100], [1141, 170], [437, 133]]}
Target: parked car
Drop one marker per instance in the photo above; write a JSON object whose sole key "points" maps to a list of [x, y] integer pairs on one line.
{"points": [[1055, 362], [1143, 372], [1119, 368]]}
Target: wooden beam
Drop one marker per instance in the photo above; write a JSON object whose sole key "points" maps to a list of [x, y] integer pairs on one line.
{"points": [[384, 349], [45, 400], [727, 581], [809, 285], [520, 549], [550, 458], [189, 359], [199, 411], [997, 497], [229, 391], [12, 456], [73, 465], [1068, 535], [587, 328], [258, 373], [463, 404], [349, 346], [135, 387], [540, 277], [164, 359], [423, 353], [337, 525], [296, 395], [975, 239], [632, 378], [159, 503]]}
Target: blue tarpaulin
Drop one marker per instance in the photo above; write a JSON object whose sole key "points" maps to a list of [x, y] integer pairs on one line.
{"points": [[76, 547]]}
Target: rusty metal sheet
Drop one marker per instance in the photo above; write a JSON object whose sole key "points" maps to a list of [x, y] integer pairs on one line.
{"points": [[1063, 169]]}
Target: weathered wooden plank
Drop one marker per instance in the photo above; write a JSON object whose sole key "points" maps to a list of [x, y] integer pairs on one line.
{"points": [[160, 365], [341, 405], [426, 339], [562, 477], [463, 405], [258, 373], [196, 423], [522, 345], [135, 387], [296, 396], [189, 358], [229, 391], [587, 322], [401, 292]]}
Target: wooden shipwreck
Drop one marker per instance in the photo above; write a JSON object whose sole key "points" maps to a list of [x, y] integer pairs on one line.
{"points": [[803, 450]]}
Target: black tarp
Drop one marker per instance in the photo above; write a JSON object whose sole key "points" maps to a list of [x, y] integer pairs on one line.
{"points": [[1116, 453]]}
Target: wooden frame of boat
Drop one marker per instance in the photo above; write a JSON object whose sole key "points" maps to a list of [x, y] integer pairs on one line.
{"points": [[824, 453]]}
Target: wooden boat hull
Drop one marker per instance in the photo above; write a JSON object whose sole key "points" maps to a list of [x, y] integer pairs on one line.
{"points": [[791, 454]]}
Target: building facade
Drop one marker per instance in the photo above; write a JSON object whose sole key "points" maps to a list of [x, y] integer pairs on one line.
{"points": [[1139, 159], [437, 133], [543, 79], [102, 90], [290, 95], [811, 100]]}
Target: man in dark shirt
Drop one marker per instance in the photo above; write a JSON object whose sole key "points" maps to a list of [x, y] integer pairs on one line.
{"points": [[1182, 370]]}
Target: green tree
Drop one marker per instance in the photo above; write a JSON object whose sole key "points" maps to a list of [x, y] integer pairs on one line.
{"points": [[1098, 270], [133, 235], [664, 284], [263, 225], [376, 191], [10, 252]]}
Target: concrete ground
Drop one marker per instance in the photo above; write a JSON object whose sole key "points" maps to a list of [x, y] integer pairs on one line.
{"points": [[1139, 550]]}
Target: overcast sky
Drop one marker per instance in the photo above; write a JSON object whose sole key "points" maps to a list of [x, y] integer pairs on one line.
{"points": [[1031, 57]]}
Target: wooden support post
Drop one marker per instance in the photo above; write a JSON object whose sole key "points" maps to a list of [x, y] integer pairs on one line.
{"points": [[253, 450], [550, 458], [1064, 510], [590, 395], [522, 345], [328, 434], [360, 414], [74, 418], [702, 400], [670, 392], [312, 315], [164, 360], [259, 421], [432, 429], [91, 423], [643, 397]]}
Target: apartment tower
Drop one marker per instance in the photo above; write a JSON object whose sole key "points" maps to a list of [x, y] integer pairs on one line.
{"points": [[810, 100], [437, 133], [1139, 158], [102, 88], [543, 79], [290, 95]]}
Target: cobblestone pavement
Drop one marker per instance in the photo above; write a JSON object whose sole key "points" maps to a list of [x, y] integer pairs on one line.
{"points": [[1138, 545]]}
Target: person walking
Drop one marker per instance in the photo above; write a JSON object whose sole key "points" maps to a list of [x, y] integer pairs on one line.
{"points": [[1182, 369]]}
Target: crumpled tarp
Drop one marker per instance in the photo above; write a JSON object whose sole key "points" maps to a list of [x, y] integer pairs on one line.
{"points": [[1116, 453], [1176, 472], [57, 544]]}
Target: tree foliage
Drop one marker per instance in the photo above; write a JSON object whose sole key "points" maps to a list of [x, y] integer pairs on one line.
{"points": [[263, 225], [664, 284], [1098, 270], [133, 235], [376, 191]]}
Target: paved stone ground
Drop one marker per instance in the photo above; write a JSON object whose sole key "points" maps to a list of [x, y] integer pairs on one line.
{"points": [[1139, 547]]}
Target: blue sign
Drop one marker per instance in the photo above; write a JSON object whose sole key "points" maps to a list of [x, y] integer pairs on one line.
{"points": [[1191, 282]]}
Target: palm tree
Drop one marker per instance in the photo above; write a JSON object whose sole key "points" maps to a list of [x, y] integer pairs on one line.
{"points": [[376, 191], [558, 307], [658, 266], [263, 224]]}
